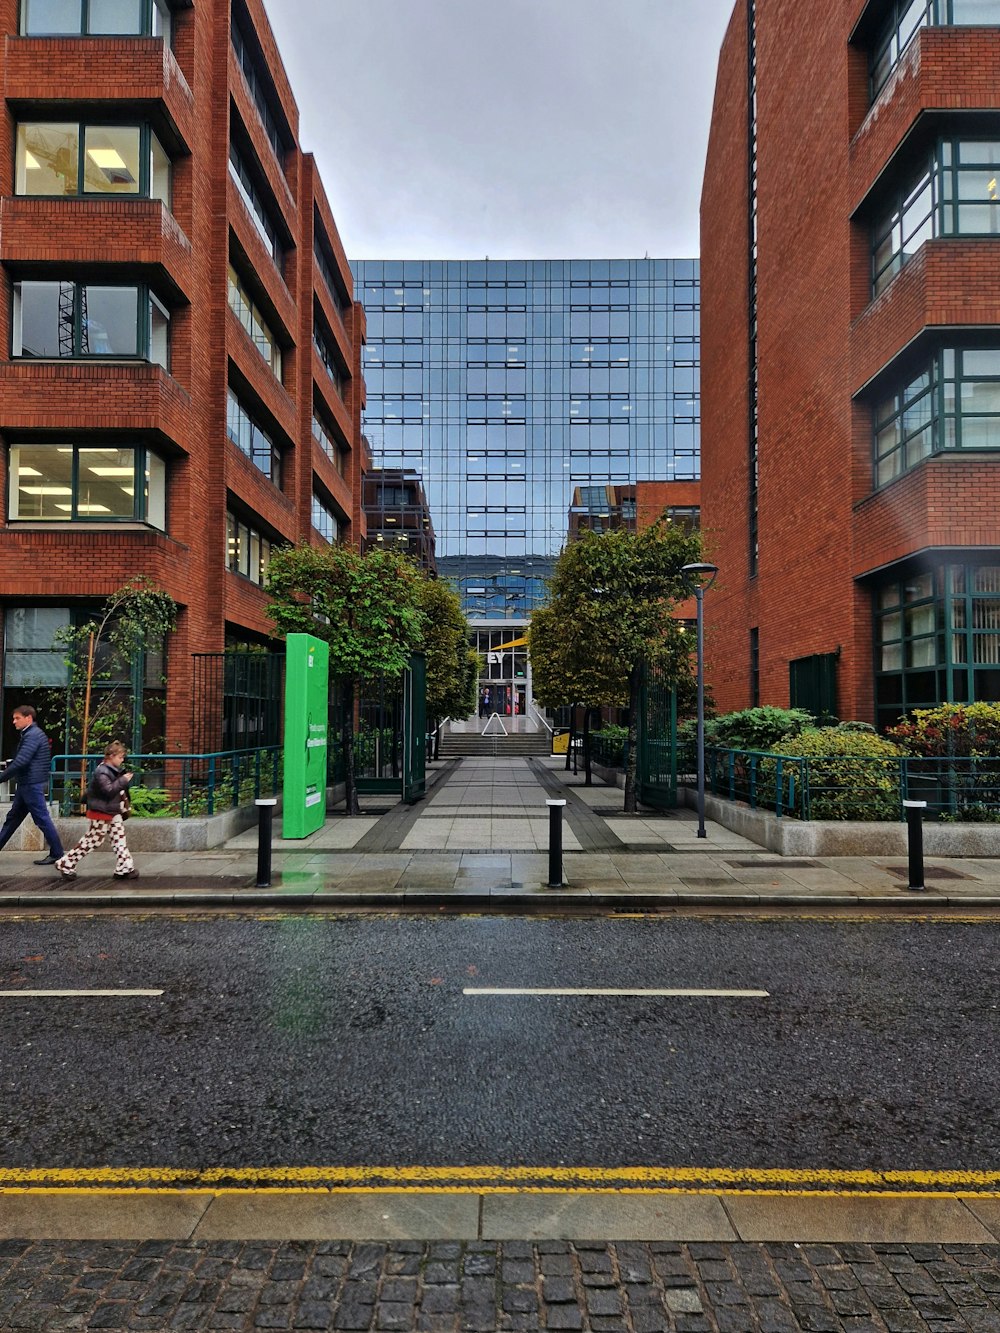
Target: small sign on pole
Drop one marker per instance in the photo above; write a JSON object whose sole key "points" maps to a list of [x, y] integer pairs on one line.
{"points": [[307, 681]]}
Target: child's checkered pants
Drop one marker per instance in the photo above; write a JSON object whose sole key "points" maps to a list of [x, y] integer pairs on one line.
{"points": [[97, 831]]}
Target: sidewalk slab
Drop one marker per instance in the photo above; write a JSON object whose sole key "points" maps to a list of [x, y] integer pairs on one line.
{"points": [[323, 1216], [128, 1215], [869, 1220], [665, 1217]]}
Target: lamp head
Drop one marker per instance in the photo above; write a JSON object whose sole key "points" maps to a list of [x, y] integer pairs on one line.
{"points": [[701, 571]]}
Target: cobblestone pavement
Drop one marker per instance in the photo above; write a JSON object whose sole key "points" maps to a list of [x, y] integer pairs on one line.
{"points": [[479, 1287]]}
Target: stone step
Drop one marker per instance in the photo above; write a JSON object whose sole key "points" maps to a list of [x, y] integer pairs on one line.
{"points": [[498, 746]]}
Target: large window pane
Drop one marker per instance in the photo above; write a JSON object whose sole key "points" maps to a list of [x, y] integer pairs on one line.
{"points": [[985, 12], [47, 159], [156, 492], [41, 483], [107, 483], [159, 171], [110, 321], [116, 16], [43, 318], [44, 18], [111, 159]]}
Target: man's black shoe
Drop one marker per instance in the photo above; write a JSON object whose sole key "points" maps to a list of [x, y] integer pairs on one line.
{"points": [[49, 860]]}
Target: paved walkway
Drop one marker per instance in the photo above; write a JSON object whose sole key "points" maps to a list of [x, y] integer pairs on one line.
{"points": [[481, 837]]}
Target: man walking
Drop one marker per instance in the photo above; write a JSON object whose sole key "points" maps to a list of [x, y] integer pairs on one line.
{"points": [[31, 768]]}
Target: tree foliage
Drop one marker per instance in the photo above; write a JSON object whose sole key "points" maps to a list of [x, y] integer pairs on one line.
{"points": [[367, 607], [610, 610], [446, 645]]}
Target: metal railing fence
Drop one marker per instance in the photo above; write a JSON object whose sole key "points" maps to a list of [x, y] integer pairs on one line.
{"points": [[176, 785], [965, 789]]}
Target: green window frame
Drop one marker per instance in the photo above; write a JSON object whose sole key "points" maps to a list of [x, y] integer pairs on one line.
{"points": [[96, 18], [937, 638], [951, 402], [954, 192], [904, 20], [248, 312], [90, 481], [92, 159], [325, 520], [252, 440], [79, 335], [248, 551]]}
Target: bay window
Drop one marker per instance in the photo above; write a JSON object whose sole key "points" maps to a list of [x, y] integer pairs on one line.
{"points": [[72, 483], [86, 319], [105, 18], [69, 158]]}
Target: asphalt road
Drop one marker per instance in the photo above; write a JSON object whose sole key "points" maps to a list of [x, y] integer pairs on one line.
{"points": [[349, 1041]]}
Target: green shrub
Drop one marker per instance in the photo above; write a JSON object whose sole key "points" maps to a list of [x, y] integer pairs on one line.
{"points": [[950, 730], [852, 774], [764, 728], [152, 803]]}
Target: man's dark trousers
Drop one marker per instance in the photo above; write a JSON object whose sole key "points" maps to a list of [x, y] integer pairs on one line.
{"points": [[29, 799]]}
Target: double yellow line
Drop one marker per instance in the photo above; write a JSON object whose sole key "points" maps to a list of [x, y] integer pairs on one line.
{"points": [[501, 1180]]}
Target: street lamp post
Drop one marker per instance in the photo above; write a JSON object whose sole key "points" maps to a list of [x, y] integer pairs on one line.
{"points": [[699, 572]]}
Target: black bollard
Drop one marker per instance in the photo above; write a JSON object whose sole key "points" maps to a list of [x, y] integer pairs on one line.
{"points": [[555, 843], [915, 844], [265, 814]]}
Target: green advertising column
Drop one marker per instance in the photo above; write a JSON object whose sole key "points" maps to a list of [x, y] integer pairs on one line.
{"points": [[307, 679]]}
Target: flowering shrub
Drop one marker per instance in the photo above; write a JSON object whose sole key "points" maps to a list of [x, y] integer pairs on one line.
{"points": [[950, 730]]}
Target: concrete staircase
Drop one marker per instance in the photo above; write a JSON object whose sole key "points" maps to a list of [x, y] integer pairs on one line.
{"points": [[520, 745]]}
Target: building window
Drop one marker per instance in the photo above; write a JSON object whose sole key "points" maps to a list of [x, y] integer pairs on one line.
{"points": [[953, 402], [260, 87], [253, 197], [110, 18], [252, 439], [248, 552], [954, 194], [323, 342], [85, 319], [327, 268], [86, 483], [324, 520], [755, 668], [904, 20], [324, 437], [60, 158], [937, 639], [249, 315]]}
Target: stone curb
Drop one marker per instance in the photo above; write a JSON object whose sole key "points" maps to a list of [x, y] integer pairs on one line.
{"points": [[541, 900]]}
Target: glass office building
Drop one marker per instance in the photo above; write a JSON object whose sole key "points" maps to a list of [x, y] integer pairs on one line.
{"points": [[510, 385]]}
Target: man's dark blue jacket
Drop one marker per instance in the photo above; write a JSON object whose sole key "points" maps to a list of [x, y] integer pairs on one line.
{"points": [[33, 758]]}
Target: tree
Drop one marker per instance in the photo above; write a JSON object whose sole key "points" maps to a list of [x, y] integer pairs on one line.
{"points": [[452, 666], [609, 613], [365, 606], [108, 649]]}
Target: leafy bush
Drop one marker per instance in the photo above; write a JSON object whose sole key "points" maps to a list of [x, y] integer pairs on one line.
{"points": [[152, 803], [950, 730], [763, 728], [852, 774]]}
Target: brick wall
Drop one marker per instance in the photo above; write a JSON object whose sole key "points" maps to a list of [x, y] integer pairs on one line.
{"points": [[191, 95]]}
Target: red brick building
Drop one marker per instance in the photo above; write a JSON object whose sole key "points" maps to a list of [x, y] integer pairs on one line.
{"points": [[851, 356], [180, 382]]}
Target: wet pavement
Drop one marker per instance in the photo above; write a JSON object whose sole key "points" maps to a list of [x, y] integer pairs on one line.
{"points": [[480, 840], [487, 1286]]}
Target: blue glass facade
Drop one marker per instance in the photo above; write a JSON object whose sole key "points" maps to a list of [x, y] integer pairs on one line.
{"points": [[506, 384]]}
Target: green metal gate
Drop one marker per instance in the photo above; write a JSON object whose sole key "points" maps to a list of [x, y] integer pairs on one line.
{"points": [[390, 740], [656, 754]]}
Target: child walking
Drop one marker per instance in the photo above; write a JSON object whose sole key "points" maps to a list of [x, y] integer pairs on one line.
{"points": [[105, 798]]}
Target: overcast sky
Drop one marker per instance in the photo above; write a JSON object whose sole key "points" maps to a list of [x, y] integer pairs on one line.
{"points": [[456, 129]]}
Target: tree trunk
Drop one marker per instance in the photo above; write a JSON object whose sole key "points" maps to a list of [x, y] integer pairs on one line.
{"points": [[588, 780], [572, 736], [351, 806], [634, 683]]}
